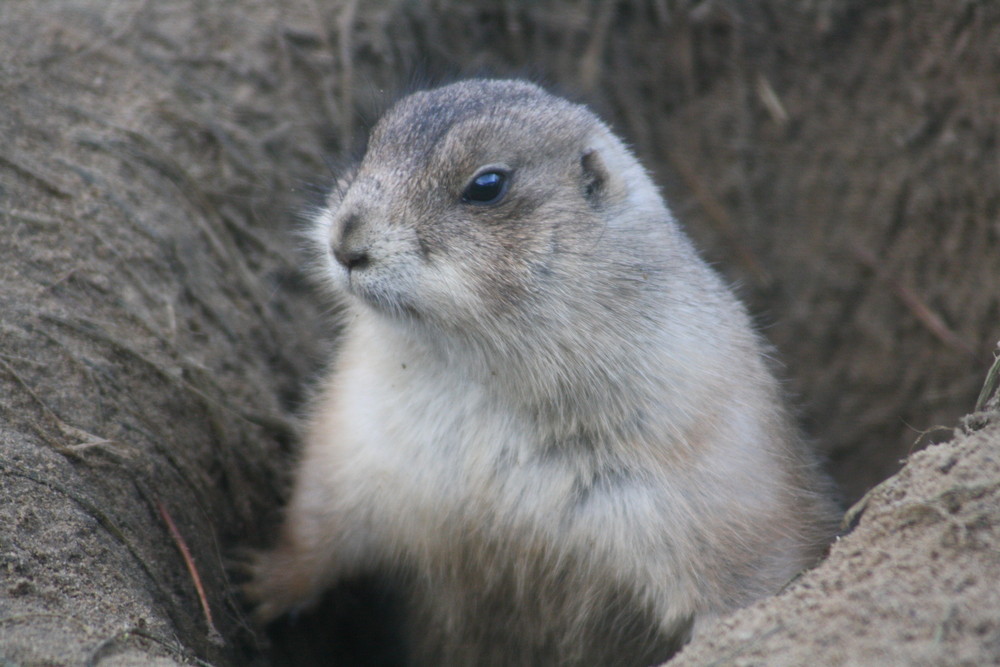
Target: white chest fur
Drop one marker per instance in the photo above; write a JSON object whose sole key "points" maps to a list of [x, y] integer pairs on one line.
{"points": [[436, 468]]}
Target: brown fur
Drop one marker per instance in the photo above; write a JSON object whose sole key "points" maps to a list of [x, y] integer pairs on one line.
{"points": [[549, 422]]}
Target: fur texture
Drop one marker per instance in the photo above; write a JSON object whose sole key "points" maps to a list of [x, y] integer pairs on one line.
{"points": [[549, 421]]}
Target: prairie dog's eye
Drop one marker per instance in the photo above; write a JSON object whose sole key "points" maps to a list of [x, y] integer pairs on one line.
{"points": [[489, 187]]}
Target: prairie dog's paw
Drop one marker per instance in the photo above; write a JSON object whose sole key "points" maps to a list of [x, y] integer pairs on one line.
{"points": [[280, 581]]}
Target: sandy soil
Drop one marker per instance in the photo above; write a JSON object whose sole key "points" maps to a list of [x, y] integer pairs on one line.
{"points": [[839, 161]]}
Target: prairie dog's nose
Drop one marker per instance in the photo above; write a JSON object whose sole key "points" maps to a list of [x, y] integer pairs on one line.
{"points": [[351, 258], [350, 250]]}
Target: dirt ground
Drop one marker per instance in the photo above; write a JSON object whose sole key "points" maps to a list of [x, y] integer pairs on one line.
{"points": [[838, 162], [914, 583]]}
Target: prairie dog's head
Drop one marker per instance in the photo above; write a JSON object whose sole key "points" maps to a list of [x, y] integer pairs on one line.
{"points": [[481, 201]]}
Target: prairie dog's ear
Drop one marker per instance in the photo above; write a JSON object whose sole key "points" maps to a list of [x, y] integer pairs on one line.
{"points": [[595, 177]]}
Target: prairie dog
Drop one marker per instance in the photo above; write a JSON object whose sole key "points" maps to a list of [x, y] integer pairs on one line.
{"points": [[549, 421]]}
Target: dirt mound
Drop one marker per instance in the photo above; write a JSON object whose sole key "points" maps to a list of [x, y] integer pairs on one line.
{"points": [[838, 160], [913, 584]]}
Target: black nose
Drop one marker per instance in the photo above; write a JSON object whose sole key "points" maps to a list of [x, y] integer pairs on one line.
{"points": [[351, 258]]}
